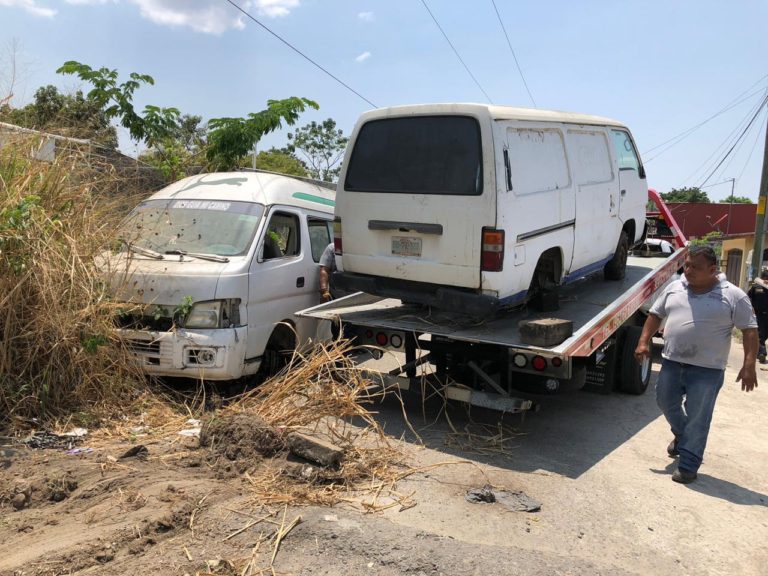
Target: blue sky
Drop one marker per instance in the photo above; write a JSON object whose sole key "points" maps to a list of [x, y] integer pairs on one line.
{"points": [[662, 67]]}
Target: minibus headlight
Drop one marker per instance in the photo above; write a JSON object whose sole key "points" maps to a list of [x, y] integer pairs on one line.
{"points": [[204, 315]]}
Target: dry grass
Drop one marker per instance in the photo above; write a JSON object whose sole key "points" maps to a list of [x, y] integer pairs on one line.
{"points": [[56, 356]]}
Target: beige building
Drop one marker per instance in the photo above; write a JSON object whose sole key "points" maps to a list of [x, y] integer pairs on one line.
{"points": [[736, 258]]}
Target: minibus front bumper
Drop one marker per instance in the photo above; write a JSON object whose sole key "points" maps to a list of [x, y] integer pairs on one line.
{"points": [[217, 354]]}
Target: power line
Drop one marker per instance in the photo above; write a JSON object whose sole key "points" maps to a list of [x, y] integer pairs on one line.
{"points": [[680, 137], [730, 138], [754, 145], [300, 53], [509, 43], [454, 50], [754, 117]]}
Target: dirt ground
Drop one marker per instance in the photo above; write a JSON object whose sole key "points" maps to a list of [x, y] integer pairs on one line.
{"points": [[596, 463]]}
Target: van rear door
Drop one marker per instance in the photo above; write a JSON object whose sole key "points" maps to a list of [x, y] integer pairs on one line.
{"points": [[415, 195]]}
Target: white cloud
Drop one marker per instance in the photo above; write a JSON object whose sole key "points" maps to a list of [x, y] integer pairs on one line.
{"points": [[30, 6], [276, 8], [363, 57], [207, 16], [89, 2], [366, 16]]}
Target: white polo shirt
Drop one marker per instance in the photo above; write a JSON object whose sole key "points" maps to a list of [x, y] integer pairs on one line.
{"points": [[698, 327]]}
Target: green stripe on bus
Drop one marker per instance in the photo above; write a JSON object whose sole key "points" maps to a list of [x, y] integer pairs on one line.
{"points": [[313, 198]]}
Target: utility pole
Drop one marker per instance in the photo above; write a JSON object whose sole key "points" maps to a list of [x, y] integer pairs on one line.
{"points": [[757, 251]]}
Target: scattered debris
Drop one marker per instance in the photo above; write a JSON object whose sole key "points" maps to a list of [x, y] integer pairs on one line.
{"points": [[516, 501], [42, 439], [74, 451], [194, 428], [139, 451], [315, 450]]}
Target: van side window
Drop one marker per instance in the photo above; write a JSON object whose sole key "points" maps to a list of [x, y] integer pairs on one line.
{"points": [[537, 160], [282, 237], [320, 234], [593, 160], [625, 151]]}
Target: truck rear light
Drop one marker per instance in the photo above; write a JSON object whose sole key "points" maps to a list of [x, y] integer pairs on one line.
{"points": [[381, 339], [337, 244], [539, 363], [557, 362], [492, 255]]}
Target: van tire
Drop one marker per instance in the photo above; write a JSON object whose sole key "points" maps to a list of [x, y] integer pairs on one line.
{"points": [[633, 377], [616, 268], [278, 352]]}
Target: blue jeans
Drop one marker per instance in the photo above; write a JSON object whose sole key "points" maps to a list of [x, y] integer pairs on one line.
{"points": [[689, 418]]}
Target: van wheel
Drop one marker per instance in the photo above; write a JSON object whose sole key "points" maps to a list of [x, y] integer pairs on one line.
{"points": [[278, 352], [616, 268], [543, 293], [633, 377]]}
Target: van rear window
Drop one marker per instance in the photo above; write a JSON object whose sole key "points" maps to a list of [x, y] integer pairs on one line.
{"points": [[417, 155]]}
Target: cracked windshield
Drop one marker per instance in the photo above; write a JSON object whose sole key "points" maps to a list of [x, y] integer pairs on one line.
{"points": [[223, 228]]}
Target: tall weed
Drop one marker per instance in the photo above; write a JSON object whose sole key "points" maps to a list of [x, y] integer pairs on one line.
{"points": [[57, 352]]}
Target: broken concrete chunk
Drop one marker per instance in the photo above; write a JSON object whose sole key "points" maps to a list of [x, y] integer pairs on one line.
{"points": [[315, 450], [545, 331]]}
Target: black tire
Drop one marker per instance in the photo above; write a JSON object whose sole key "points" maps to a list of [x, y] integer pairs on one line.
{"points": [[633, 378], [278, 353], [616, 268]]}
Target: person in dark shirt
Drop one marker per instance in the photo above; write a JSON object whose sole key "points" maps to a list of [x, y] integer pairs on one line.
{"points": [[758, 295]]}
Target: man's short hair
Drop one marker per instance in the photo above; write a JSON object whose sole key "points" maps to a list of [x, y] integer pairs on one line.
{"points": [[764, 273], [704, 251]]}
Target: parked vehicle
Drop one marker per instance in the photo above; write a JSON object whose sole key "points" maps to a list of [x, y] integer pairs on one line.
{"points": [[484, 363], [477, 207], [217, 264]]}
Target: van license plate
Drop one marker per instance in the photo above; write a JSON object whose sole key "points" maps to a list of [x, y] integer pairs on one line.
{"points": [[406, 246]]}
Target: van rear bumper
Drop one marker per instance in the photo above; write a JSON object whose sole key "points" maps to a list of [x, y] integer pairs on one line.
{"points": [[198, 354], [454, 299]]}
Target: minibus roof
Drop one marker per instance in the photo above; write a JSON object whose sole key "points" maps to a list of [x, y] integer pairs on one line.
{"points": [[265, 188]]}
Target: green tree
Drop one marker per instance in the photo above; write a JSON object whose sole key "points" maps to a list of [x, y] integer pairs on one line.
{"points": [[231, 139], [281, 161], [116, 100], [181, 152], [71, 115], [322, 146], [737, 200], [692, 194]]}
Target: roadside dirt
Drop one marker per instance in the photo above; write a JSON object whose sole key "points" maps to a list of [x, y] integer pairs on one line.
{"points": [[596, 463]]}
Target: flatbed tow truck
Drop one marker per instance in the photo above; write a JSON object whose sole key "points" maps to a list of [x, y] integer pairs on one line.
{"points": [[484, 363]]}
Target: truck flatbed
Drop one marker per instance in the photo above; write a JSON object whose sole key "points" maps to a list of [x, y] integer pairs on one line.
{"points": [[595, 306]]}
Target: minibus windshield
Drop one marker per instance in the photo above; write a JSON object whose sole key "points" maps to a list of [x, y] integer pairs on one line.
{"points": [[417, 155], [174, 226]]}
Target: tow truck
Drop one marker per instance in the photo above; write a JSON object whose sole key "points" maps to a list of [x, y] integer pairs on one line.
{"points": [[487, 363]]}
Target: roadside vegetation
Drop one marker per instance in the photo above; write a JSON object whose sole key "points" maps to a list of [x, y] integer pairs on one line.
{"points": [[56, 356]]}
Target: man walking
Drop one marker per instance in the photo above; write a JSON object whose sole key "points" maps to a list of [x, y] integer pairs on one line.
{"points": [[758, 295], [701, 310]]}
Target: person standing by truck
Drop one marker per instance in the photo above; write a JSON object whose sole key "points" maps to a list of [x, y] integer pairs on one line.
{"points": [[758, 295], [701, 310]]}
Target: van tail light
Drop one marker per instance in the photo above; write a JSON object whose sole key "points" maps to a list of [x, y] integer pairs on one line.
{"points": [[492, 256], [337, 247]]}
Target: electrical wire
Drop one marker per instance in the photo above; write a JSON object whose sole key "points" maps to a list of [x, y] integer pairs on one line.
{"points": [[300, 53], [509, 43], [754, 145], [754, 117], [454, 50], [723, 145], [680, 137]]}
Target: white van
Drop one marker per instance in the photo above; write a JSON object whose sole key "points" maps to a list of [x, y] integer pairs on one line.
{"points": [[221, 262], [474, 207]]}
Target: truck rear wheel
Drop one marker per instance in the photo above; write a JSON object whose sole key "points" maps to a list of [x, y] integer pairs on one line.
{"points": [[633, 377], [616, 268]]}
